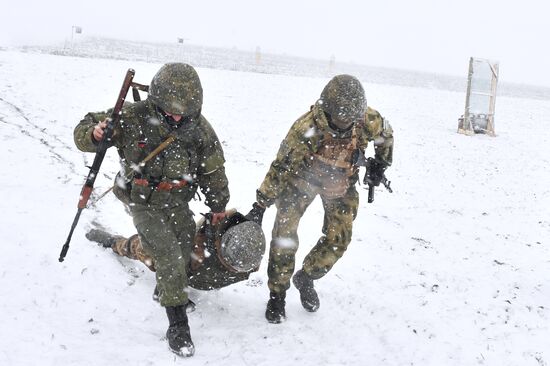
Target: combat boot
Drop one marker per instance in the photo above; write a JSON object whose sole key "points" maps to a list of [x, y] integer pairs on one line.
{"points": [[275, 312], [178, 334], [102, 237], [308, 295]]}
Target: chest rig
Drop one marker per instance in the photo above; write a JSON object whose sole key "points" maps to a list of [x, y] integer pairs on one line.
{"points": [[332, 164], [160, 162]]}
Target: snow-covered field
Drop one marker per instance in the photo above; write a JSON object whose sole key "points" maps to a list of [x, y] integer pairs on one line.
{"points": [[453, 268]]}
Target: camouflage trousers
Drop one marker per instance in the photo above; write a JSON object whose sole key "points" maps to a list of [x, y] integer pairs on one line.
{"points": [[203, 273], [167, 235], [337, 229], [132, 248]]}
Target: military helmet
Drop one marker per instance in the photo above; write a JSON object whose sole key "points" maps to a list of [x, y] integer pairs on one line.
{"points": [[343, 100], [176, 89], [242, 244]]}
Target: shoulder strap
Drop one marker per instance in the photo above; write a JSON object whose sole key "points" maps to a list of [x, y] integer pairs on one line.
{"points": [[136, 88], [142, 163]]}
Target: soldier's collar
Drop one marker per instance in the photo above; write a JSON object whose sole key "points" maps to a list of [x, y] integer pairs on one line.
{"points": [[319, 117], [323, 124], [185, 124]]}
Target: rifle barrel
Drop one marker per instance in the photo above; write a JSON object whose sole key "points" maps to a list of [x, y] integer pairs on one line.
{"points": [[102, 147], [65, 248]]}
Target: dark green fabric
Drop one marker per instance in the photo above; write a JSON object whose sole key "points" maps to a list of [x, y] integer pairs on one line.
{"points": [[162, 218], [213, 275], [196, 155], [167, 234]]}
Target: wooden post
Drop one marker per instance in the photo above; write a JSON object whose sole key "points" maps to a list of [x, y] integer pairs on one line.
{"points": [[465, 124], [331, 64], [492, 100], [258, 55]]}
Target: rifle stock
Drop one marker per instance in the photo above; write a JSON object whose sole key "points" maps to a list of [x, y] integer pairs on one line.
{"points": [[102, 147]]}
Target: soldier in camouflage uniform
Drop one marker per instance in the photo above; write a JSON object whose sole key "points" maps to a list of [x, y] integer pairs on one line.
{"points": [[158, 192], [318, 157], [223, 254]]}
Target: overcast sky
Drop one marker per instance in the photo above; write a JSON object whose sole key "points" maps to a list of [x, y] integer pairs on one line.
{"points": [[425, 35]]}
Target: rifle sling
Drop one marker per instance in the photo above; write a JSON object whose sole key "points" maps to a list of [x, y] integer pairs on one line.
{"points": [[163, 145], [151, 155]]}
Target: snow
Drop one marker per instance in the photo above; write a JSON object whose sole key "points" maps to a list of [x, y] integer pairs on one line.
{"points": [[453, 268]]}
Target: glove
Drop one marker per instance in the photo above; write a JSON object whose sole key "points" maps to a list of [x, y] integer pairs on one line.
{"points": [[256, 214], [217, 217], [375, 172]]}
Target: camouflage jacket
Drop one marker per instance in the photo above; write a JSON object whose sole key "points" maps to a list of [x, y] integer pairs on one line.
{"points": [[306, 137], [195, 158]]}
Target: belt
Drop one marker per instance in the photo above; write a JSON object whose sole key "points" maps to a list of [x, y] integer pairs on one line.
{"points": [[161, 186]]}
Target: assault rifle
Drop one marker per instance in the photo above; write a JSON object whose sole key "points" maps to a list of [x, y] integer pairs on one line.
{"points": [[370, 178], [102, 147]]}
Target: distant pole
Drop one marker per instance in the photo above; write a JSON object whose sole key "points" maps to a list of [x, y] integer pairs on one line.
{"points": [[331, 64], [75, 29], [258, 55], [181, 41], [72, 41]]}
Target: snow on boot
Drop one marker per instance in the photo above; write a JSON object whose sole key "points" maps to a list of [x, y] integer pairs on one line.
{"points": [[308, 295], [275, 312], [102, 237], [178, 334]]}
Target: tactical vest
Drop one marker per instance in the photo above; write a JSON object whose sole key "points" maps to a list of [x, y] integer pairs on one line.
{"points": [[166, 179], [332, 164]]}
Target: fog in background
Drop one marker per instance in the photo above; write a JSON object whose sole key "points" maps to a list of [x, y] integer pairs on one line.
{"points": [[425, 35]]}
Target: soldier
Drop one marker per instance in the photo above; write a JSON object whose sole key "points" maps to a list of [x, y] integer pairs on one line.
{"points": [[319, 157], [158, 193], [222, 254]]}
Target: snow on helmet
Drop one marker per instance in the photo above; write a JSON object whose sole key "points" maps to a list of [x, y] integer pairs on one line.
{"points": [[176, 89], [242, 246], [343, 99]]}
